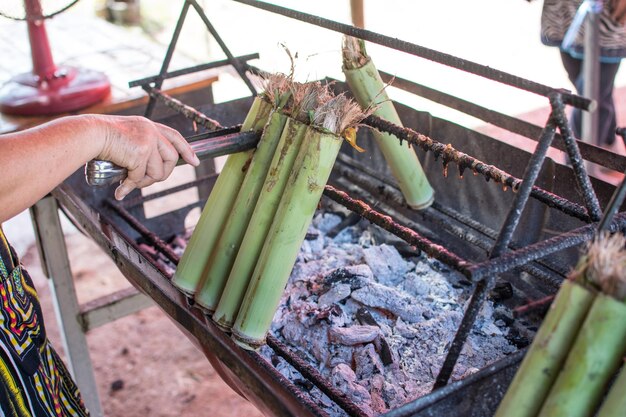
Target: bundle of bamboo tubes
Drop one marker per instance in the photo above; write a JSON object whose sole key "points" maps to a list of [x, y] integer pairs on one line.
{"points": [[580, 344], [245, 244]]}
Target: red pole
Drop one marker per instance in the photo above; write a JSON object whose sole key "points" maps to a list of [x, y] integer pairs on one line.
{"points": [[43, 65]]}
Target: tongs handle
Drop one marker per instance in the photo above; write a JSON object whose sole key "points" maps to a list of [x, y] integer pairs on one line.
{"points": [[99, 173]]}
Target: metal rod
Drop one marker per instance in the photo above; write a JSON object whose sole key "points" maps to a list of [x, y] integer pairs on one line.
{"points": [[529, 253], [414, 407], [521, 197], [190, 70], [464, 161], [313, 374], [532, 306], [187, 111], [588, 151], [580, 173], [431, 249], [168, 57], [501, 245], [476, 303], [430, 54], [591, 72], [151, 237], [132, 202], [616, 202], [232, 59]]}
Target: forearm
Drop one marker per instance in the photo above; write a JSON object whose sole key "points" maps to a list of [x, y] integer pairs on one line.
{"points": [[33, 162]]}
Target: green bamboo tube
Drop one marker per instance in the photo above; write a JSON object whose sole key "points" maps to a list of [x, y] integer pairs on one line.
{"points": [[218, 206], [615, 403], [368, 90], [595, 357], [546, 355], [295, 211], [225, 250], [259, 225]]}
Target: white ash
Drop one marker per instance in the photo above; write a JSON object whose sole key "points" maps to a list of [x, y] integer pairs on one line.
{"points": [[374, 323]]}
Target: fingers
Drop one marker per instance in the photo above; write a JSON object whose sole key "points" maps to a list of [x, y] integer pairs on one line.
{"points": [[180, 144], [150, 151]]}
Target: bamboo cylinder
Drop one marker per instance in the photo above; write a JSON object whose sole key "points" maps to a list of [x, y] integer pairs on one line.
{"points": [[544, 358], [294, 214], [615, 403], [595, 356], [259, 225], [368, 89], [218, 206], [225, 250]]}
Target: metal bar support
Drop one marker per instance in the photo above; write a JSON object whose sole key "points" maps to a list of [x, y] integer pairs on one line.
{"points": [[591, 72], [53, 252]]}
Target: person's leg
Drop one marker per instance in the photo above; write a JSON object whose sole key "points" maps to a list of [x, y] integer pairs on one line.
{"points": [[607, 122], [574, 69]]}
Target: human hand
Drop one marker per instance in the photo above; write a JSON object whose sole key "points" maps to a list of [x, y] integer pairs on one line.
{"points": [[617, 8], [148, 150]]}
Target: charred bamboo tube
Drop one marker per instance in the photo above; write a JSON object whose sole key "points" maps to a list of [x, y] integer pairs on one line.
{"points": [[294, 214], [219, 204], [259, 225], [369, 91], [615, 403], [594, 358], [225, 250], [546, 355]]}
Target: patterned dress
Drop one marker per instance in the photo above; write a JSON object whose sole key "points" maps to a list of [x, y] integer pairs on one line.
{"points": [[33, 380], [557, 16]]}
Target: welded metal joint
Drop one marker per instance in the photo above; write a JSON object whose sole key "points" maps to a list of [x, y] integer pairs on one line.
{"points": [[578, 166]]}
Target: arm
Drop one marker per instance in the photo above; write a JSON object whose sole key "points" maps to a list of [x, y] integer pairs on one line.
{"points": [[618, 11], [34, 161]]}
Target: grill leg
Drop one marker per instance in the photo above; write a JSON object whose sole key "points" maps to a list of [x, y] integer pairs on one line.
{"points": [[56, 265]]}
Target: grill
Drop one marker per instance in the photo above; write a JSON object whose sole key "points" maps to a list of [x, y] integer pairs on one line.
{"points": [[519, 219]]}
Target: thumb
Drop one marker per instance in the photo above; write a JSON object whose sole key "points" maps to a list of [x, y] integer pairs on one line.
{"points": [[124, 189]]}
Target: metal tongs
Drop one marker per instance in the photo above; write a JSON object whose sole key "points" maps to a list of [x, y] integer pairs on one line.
{"points": [[99, 173]]}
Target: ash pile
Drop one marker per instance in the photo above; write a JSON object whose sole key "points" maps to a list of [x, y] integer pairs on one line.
{"points": [[375, 322], [376, 317]]}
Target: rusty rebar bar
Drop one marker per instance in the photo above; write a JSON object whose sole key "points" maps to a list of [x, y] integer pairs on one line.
{"points": [[182, 108], [423, 52], [464, 161], [409, 236], [313, 374]]}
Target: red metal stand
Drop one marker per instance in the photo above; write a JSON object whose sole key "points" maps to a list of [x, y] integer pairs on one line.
{"points": [[49, 89]]}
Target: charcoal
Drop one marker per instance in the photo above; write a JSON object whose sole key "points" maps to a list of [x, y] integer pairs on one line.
{"points": [[353, 335], [503, 290], [390, 299], [364, 316], [357, 276], [386, 264], [367, 362], [344, 378], [376, 392], [335, 294]]}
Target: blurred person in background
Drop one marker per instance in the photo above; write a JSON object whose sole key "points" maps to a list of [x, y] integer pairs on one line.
{"points": [[556, 18]]}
